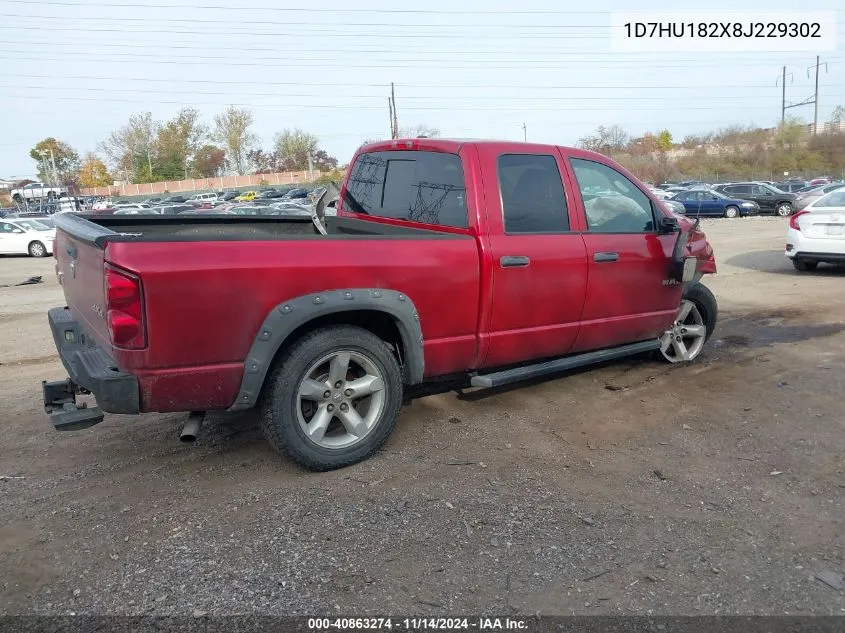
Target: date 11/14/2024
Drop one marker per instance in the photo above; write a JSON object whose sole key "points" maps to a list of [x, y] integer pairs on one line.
{"points": [[419, 624]]}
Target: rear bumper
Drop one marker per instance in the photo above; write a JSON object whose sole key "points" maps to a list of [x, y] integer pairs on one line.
{"points": [[90, 368], [814, 249]]}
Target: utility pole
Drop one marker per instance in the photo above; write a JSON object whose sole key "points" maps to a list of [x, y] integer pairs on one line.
{"points": [[310, 166], [390, 114], [783, 106], [816, 100], [524, 133], [395, 118], [783, 100]]}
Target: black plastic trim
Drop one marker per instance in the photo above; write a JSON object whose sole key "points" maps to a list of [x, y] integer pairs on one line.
{"points": [[90, 367], [562, 364], [819, 257], [292, 314]]}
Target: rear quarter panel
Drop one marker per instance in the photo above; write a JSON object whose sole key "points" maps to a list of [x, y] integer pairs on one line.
{"points": [[206, 300]]}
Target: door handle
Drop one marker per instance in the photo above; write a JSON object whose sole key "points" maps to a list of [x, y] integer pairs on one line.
{"points": [[71, 250], [514, 261], [606, 257]]}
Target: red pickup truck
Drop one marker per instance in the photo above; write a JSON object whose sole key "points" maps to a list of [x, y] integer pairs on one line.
{"points": [[464, 264]]}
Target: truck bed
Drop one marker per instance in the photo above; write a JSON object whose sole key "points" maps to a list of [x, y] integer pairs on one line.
{"points": [[108, 228]]}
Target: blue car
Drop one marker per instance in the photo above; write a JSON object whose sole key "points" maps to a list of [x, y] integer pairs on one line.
{"points": [[708, 203]]}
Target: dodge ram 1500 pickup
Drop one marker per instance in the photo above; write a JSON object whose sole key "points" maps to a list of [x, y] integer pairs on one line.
{"points": [[448, 264]]}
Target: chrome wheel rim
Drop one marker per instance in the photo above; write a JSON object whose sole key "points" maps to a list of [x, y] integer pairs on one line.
{"points": [[684, 341], [784, 210], [731, 212], [36, 250], [340, 399]]}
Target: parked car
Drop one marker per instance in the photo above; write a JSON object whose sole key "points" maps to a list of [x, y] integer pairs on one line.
{"points": [[203, 197], [769, 199], [153, 201], [175, 209], [247, 196], [819, 181], [226, 196], [791, 186], [270, 194], [173, 200], [296, 194], [674, 206], [707, 203], [36, 191], [816, 234], [26, 237], [329, 334], [804, 198]]}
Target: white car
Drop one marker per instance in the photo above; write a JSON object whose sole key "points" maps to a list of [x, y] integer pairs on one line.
{"points": [[203, 197], [817, 233], [26, 237]]}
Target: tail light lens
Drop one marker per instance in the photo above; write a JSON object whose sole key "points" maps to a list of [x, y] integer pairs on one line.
{"points": [[793, 221], [125, 310]]}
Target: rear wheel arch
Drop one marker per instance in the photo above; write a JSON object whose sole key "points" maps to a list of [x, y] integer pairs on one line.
{"points": [[390, 315]]}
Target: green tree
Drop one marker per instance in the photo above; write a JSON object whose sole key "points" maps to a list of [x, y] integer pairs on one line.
{"points": [[93, 172], [232, 131], [58, 162], [838, 115], [664, 140], [177, 141], [208, 161], [293, 149]]}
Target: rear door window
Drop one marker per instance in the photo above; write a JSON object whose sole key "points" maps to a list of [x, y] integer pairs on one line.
{"points": [[419, 186], [533, 200]]}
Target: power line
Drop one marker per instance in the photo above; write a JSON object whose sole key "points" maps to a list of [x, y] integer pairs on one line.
{"points": [[374, 107], [216, 47], [334, 33], [332, 62], [511, 86], [292, 23], [240, 8], [449, 98]]}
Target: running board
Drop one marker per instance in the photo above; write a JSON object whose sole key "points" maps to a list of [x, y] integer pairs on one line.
{"points": [[507, 376]]}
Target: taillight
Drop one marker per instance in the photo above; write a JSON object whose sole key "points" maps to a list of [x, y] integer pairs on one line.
{"points": [[125, 310], [793, 221]]}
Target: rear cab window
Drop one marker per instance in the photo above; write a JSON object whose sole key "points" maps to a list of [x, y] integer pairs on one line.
{"points": [[417, 186]]}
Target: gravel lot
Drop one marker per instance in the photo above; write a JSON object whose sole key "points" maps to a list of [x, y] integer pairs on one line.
{"points": [[713, 488]]}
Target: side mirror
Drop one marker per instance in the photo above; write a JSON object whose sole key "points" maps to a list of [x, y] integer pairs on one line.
{"points": [[668, 225]]}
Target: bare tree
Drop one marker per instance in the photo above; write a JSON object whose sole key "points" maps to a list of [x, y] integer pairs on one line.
{"points": [[232, 130], [414, 131], [132, 144]]}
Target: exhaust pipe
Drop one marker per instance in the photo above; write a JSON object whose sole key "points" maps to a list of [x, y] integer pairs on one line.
{"points": [[192, 427]]}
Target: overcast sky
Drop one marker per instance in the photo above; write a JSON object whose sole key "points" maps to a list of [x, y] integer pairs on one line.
{"points": [[77, 69]]}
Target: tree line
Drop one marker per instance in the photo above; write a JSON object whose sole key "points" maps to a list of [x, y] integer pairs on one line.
{"points": [[734, 152], [149, 150]]}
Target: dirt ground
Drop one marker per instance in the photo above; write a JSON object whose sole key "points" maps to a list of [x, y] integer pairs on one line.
{"points": [[713, 488]]}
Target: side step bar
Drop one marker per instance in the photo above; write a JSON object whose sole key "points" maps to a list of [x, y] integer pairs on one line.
{"points": [[526, 372]]}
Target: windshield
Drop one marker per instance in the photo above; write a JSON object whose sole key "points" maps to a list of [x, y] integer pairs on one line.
{"points": [[33, 225]]}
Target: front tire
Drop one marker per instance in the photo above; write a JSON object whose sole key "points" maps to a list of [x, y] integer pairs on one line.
{"points": [[731, 212], [693, 326], [783, 209], [804, 266], [37, 249], [333, 399]]}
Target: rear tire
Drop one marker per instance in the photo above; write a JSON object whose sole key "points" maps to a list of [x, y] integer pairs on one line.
{"points": [[37, 249], [731, 212], [804, 266], [293, 408]]}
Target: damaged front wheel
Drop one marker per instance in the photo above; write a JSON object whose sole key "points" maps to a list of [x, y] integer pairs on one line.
{"points": [[692, 327]]}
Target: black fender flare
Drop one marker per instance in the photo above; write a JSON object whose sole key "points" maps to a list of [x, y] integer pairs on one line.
{"points": [[286, 317]]}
